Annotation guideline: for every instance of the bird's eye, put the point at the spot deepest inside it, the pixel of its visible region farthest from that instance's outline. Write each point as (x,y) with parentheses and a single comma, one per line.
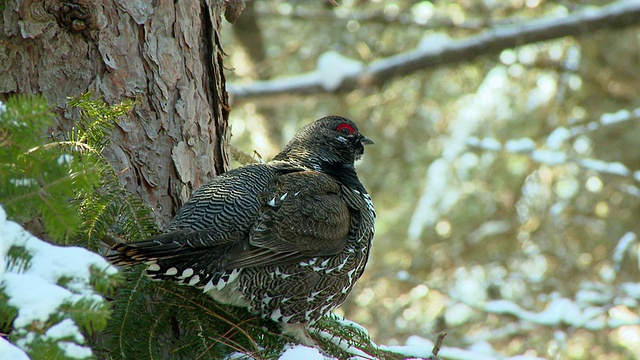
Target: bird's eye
(345,129)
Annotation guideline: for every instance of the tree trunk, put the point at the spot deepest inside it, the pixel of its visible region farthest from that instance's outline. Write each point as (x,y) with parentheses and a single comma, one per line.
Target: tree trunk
(164,54)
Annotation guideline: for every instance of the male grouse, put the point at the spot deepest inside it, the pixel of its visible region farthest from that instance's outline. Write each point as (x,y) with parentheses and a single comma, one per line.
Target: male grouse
(287,239)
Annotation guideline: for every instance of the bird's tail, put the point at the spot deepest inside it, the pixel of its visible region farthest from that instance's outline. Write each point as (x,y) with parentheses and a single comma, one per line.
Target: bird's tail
(164,246)
(179,256)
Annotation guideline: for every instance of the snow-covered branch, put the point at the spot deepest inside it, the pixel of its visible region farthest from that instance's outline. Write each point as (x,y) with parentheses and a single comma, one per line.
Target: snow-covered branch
(336,73)
(54,296)
(552,155)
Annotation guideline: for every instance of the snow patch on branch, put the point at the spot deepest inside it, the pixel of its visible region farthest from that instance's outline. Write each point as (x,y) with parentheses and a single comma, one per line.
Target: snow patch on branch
(558,137)
(620,116)
(10,351)
(297,352)
(549,157)
(520,146)
(333,68)
(623,245)
(614,168)
(552,153)
(31,268)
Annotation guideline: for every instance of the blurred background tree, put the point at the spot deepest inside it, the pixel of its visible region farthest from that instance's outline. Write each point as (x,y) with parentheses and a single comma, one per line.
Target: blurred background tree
(506,175)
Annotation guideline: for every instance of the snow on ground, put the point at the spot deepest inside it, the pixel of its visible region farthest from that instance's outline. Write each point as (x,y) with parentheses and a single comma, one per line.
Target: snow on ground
(62,273)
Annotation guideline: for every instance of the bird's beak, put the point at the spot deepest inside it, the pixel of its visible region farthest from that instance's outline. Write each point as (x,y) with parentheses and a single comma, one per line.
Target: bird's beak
(365,140)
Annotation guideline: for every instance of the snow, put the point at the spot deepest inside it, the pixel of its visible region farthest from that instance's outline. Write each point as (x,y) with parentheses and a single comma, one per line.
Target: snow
(416,346)
(331,72)
(403,275)
(608,119)
(502,307)
(25,294)
(549,157)
(64,329)
(25,282)
(74,350)
(623,245)
(462,354)
(434,42)
(543,92)
(560,311)
(558,137)
(615,168)
(333,68)
(631,289)
(348,323)
(422,12)
(64,159)
(10,351)
(485,143)
(23,182)
(299,352)
(524,145)
(426,212)
(593,297)
(458,314)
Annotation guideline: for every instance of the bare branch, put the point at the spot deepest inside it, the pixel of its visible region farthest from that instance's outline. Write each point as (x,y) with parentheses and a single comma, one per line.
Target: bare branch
(438,345)
(443,50)
(437,22)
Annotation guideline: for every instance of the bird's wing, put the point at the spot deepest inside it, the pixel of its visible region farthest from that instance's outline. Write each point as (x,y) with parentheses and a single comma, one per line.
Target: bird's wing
(225,205)
(302,215)
(233,223)
(218,215)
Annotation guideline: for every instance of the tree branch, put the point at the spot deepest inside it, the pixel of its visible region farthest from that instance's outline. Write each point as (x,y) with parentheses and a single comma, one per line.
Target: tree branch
(331,77)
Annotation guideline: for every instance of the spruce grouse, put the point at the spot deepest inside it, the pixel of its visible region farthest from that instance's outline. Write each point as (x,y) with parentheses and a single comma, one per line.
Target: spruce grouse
(287,239)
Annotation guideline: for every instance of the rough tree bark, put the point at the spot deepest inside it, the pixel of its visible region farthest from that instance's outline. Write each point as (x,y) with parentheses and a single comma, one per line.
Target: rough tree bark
(164,54)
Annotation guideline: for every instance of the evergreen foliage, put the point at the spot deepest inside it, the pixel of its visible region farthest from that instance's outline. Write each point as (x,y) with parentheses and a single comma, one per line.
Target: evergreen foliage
(37,179)
(55,180)
(110,211)
(180,322)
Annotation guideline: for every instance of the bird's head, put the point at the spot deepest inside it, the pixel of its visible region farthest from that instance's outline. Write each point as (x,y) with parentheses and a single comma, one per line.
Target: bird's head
(331,139)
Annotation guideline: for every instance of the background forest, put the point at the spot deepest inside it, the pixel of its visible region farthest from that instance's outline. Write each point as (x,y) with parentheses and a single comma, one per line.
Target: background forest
(498,180)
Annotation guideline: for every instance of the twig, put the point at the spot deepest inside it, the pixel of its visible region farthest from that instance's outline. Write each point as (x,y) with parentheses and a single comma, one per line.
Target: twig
(438,345)
(241,156)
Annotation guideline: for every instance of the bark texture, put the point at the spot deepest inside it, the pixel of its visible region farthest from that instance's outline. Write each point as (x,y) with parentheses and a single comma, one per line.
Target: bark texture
(164,54)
